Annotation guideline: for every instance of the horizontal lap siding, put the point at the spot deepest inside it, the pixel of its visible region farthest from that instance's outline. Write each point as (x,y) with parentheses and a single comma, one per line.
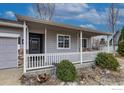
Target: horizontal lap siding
(52,42)
(12,31)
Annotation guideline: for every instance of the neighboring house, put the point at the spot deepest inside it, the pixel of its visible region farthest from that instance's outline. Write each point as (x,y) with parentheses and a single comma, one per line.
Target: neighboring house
(116,38)
(44,43)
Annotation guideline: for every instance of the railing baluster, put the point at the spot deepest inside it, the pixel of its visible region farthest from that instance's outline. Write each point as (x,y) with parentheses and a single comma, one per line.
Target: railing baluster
(35,61)
(29,61)
(48,60)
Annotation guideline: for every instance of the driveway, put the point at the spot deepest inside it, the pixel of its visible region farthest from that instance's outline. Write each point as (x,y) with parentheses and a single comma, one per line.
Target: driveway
(10,76)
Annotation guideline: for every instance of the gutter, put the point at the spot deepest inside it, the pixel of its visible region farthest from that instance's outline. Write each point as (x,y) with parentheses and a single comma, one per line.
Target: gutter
(11,24)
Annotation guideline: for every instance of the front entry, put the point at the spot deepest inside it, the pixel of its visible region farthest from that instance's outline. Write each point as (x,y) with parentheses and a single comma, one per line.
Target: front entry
(35,43)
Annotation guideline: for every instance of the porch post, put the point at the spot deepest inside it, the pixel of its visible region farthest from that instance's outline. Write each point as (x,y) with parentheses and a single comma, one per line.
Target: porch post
(24,46)
(81,60)
(108,44)
(27,39)
(45,40)
(45,44)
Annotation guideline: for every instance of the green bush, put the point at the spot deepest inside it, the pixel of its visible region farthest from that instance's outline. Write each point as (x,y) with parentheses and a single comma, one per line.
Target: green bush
(106,60)
(66,71)
(121,48)
(121,37)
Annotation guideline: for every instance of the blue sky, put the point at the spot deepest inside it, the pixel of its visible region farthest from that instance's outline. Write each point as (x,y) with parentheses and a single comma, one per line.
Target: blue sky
(85,15)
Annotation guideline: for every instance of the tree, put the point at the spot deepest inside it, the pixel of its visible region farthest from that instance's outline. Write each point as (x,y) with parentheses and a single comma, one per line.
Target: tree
(121,38)
(121,48)
(113,16)
(121,43)
(44,11)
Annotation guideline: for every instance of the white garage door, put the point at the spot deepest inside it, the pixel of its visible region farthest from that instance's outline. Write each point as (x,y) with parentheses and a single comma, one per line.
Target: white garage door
(8,52)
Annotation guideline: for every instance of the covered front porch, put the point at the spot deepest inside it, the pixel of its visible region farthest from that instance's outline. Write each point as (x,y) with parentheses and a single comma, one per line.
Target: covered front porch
(49,55)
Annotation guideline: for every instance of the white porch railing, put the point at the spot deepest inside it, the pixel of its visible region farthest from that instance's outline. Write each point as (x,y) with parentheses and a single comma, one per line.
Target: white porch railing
(36,61)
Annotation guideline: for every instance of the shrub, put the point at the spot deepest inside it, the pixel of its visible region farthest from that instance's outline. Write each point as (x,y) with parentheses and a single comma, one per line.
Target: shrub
(66,71)
(121,48)
(106,60)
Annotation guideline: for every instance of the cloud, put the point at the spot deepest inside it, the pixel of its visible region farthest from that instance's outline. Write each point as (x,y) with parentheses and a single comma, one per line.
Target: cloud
(69,11)
(93,16)
(71,8)
(80,12)
(64,11)
(9,14)
(88,26)
(121,12)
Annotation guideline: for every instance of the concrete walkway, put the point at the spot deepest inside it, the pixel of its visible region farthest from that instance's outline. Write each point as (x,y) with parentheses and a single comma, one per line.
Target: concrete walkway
(10,76)
(121,62)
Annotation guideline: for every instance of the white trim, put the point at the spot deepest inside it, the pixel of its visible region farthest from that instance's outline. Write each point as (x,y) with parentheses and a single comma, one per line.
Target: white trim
(45,40)
(108,44)
(69,41)
(77,42)
(81,59)
(27,32)
(24,48)
(17,54)
(9,35)
(11,24)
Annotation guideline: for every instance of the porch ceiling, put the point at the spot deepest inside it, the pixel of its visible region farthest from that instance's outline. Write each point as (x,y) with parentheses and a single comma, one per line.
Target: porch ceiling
(33,22)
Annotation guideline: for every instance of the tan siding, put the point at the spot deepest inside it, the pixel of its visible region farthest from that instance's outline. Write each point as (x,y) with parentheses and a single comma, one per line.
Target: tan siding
(52,42)
(35,30)
(12,31)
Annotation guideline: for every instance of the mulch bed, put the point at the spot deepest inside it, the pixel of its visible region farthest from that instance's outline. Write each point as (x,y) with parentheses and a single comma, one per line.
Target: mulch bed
(86,76)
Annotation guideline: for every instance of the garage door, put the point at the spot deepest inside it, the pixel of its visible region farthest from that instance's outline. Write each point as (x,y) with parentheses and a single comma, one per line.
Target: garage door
(8,52)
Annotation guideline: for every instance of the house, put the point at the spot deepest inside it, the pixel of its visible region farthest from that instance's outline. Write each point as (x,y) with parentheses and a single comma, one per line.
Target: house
(116,38)
(44,43)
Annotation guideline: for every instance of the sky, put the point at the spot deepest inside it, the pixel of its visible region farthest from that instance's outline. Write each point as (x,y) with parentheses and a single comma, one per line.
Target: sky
(89,15)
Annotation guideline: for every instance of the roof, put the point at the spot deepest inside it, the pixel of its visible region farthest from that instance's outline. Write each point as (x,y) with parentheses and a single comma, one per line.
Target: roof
(10,23)
(45,22)
(8,20)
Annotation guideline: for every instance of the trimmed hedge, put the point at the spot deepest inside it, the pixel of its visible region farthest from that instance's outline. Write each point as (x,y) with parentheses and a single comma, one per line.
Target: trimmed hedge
(107,60)
(66,71)
(121,48)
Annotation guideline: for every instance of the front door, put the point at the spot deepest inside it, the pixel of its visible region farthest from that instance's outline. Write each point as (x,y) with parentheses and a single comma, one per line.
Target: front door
(35,44)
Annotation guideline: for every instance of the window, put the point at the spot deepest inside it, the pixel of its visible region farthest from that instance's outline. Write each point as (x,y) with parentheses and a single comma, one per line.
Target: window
(63,41)
(84,42)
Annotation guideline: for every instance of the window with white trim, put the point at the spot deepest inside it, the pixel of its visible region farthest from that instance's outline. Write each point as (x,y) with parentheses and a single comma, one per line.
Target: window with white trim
(63,41)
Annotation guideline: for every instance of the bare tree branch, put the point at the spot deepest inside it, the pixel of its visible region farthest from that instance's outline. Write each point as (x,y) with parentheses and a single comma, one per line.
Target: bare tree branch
(44,11)
(113,16)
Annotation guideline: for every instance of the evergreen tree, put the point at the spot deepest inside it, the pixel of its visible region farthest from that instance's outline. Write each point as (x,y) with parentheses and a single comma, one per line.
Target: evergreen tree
(121,43)
(121,38)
